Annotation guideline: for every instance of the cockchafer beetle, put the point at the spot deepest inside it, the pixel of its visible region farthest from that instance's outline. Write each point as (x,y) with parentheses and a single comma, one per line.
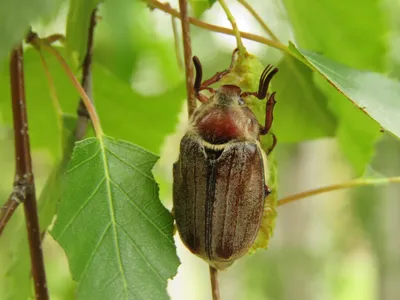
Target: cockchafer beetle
(220,178)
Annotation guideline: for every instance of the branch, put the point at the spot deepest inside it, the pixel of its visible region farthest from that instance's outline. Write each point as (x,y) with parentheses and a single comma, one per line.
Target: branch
(83,115)
(88,103)
(214,283)
(187,51)
(165,7)
(339,186)
(15,199)
(24,180)
(259,19)
(239,43)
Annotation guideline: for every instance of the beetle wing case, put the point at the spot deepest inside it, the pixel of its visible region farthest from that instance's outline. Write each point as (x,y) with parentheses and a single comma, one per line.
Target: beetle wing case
(219,193)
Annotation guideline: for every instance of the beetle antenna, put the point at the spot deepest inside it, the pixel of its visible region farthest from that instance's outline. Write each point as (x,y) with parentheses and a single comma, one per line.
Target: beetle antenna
(199,74)
(265,79)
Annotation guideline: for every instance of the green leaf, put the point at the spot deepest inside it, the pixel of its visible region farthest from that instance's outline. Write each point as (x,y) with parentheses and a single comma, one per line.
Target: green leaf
(377,95)
(370,94)
(111,224)
(301,112)
(78,23)
(330,28)
(200,6)
(123,112)
(17,268)
(16,16)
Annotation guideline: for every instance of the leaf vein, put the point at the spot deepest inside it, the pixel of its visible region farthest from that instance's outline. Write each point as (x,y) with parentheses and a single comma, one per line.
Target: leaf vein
(89,261)
(140,210)
(112,211)
(128,164)
(83,162)
(142,255)
(96,189)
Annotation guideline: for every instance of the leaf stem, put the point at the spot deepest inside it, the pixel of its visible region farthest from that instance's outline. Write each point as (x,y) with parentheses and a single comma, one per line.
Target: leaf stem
(214,284)
(83,115)
(89,105)
(24,180)
(339,186)
(240,46)
(259,19)
(187,51)
(196,22)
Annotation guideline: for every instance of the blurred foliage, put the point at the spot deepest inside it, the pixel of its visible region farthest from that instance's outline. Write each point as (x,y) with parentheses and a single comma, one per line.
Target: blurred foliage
(78,22)
(17,16)
(329,27)
(295,85)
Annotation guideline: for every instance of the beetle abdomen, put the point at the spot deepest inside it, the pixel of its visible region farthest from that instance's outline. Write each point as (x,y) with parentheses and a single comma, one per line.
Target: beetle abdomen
(218,198)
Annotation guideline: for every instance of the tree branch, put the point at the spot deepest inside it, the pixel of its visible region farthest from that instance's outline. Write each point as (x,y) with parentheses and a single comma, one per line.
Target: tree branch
(339,186)
(214,283)
(9,207)
(83,115)
(24,183)
(187,51)
(239,43)
(165,7)
(89,105)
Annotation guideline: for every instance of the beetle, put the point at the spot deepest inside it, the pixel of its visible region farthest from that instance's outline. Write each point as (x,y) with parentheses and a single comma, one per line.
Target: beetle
(220,178)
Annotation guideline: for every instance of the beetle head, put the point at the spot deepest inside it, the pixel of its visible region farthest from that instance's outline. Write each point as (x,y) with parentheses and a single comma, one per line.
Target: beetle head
(229,95)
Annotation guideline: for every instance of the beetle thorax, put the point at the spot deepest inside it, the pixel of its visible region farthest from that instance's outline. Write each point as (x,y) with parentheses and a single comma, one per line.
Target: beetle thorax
(223,119)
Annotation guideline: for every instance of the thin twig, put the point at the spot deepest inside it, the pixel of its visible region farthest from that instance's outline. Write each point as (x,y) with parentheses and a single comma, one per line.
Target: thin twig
(24,179)
(339,186)
(187,52)
(8,209)
(239,43)
(88,103)
(259,19)
(177,43)
(196,22)
(214,283)
(83,115)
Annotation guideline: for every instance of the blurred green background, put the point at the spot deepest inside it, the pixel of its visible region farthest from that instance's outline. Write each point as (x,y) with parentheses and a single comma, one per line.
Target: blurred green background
(342,245)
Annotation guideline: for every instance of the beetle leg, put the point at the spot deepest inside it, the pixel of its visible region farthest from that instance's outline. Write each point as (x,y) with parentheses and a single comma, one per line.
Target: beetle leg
(198,85)
(217,77)
(269,114)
